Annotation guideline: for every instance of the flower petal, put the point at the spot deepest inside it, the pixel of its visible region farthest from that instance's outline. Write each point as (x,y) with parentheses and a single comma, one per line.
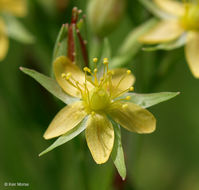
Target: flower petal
(132,117)
(164,31)
(99,137)
(63,65)
(191,50)
(16,7)
(3,40)
(69,117)
(124,80)
(173,7)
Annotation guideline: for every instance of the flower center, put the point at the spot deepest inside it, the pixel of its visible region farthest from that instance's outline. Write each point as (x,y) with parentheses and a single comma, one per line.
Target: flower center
(99,99)
(190,20)
(97,93)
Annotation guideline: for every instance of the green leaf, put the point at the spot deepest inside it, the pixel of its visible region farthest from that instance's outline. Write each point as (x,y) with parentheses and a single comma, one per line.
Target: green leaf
(117,152)
(168,46)
(60,47)
(50,85)
(148,100)
(66,137)
(153,8)
(131,46)
(17,31)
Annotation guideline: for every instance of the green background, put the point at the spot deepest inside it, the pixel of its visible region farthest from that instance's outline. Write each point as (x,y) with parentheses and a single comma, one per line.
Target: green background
(165,159)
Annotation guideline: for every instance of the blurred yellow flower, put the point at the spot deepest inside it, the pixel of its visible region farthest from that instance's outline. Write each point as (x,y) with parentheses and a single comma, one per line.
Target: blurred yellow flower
(16,8)
(184,19)
(99,98)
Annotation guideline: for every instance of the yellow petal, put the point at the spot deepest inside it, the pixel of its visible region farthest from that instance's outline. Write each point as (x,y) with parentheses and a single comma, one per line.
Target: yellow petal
(99,137)
(173,7)
(124,80)
(69,117)
(63,65)
(164,31)
(132,117)
(192,52)
(3,40)
(15,7)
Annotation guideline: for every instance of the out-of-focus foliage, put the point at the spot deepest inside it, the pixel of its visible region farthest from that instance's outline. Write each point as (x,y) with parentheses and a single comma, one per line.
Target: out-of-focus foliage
(166,159)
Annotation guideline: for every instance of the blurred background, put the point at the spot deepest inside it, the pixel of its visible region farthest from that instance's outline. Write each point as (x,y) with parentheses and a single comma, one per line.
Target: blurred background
(167,159)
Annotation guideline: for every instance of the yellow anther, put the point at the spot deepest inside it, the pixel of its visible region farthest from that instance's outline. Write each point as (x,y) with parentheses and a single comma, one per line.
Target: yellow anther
(105,61)
(63,75)
(124,106)
(95,60)
(131,88)
(128,98)
(95,70)
(92,113)
(68,75)
(86,69)
(128,72)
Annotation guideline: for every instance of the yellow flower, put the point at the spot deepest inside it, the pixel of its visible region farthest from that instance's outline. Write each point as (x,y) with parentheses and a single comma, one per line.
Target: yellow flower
(16,8)
(183,20)
(99,99)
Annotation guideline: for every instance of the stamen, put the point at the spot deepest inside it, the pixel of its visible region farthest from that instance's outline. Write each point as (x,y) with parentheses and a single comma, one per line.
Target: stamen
(95,60)
(128,98)
(105,62)
(128,72)
(121,99)
(131,88)
(95,76)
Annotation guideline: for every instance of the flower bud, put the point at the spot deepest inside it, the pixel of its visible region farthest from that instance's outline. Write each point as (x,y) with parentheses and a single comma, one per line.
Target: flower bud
(104,15)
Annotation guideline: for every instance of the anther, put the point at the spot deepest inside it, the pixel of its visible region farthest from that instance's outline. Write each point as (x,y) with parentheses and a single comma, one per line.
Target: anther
(128,98)
(68,75)
(128,72)
(131,88)
(86,69)
(92,113)
(105,61)
(95,70)
(63,75)
(95,60)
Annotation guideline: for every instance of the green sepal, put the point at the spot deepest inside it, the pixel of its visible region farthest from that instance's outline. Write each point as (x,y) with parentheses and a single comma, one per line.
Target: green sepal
(148,100)
(117,154)
(60,48)
(50,85)
(66,137)
(16,30)
(154,9)
(168,46)
(131,46)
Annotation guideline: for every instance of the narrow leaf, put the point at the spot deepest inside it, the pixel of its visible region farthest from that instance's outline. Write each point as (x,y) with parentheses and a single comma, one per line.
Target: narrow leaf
(148,100)
(60,48)
(168,46)
(66,137)
(17,31)
(117,152)
(50,85)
